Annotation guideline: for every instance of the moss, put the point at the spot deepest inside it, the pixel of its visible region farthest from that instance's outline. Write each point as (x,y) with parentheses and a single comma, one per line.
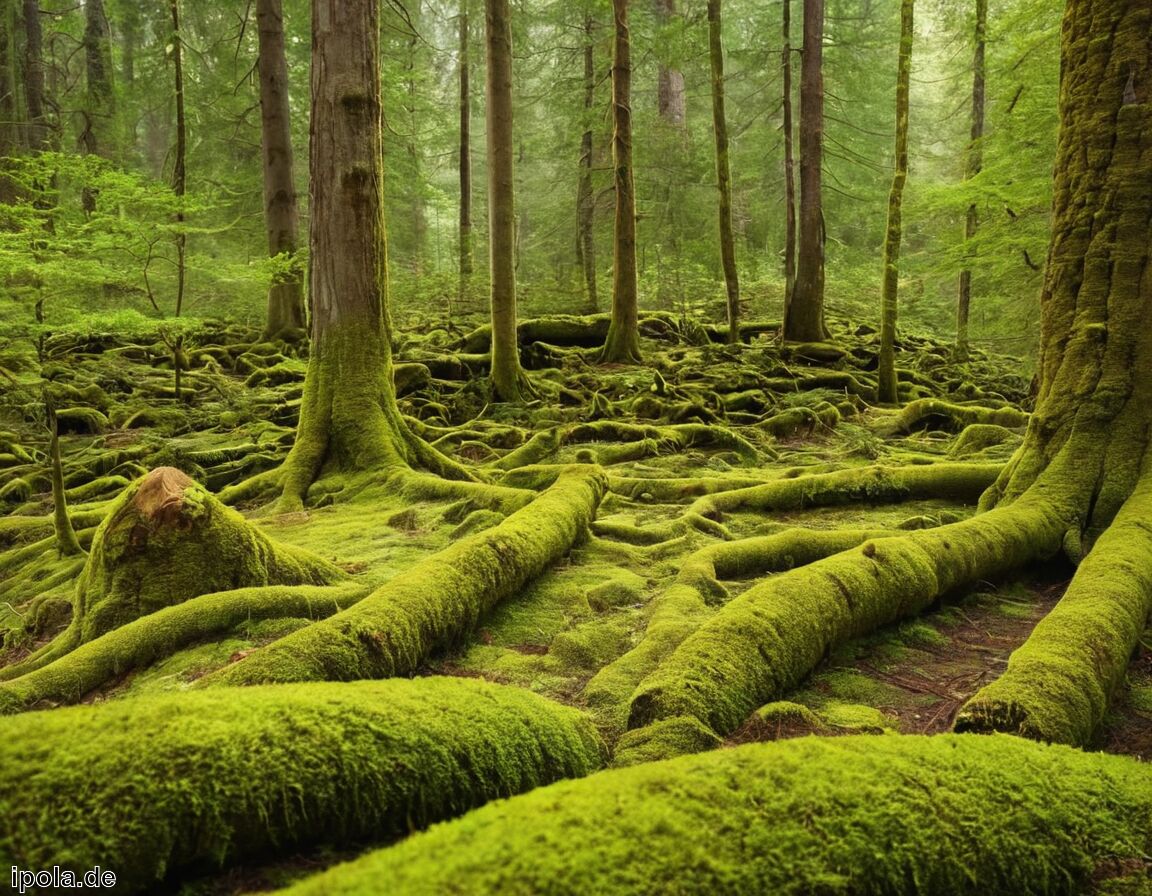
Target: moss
(856,717)
(1058,684)
(786,713)
(664,740)
(166,540)
(591,645)
(895,815)
(436,603)
(200,780)
(477,521)
(766,640)
(978,437)
(931,412)
(612,594)
(152,637)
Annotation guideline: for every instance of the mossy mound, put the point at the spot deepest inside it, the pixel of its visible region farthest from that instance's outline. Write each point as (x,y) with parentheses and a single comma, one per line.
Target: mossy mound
(895,815)
(166,540)
(151,787)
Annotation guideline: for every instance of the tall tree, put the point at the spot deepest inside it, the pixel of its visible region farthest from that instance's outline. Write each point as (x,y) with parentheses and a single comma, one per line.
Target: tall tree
(465,233)
(670,93)
(805,321)
(39,133)
(974,161)
(585,194)
(179,166)
(349,419)
(891,273)
(508,379)
(789,157)
(623,341)
(723,169)
(98,112)
(281,219)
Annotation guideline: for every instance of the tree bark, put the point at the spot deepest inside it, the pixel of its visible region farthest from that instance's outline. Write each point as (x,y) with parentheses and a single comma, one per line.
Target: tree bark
(974,160)
(100,107)
(507,377)
(623,342)
(723,171)
(585,194)
(286,293)
(38,133)
(789,159)
(886,374)
(670,93)
(465,235)
(805,321)
(179,174)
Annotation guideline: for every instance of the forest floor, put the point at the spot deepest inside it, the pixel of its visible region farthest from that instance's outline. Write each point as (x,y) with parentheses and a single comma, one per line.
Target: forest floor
(747,414)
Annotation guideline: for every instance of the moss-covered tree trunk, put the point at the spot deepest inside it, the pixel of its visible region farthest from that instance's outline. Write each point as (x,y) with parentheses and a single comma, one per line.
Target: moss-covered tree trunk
(585,194)
(671,97)
(348,419)
(623,342)
(98,77)
(507,377)
(38,132)
(723,170)
(286,294)
(789,159)
(465,160)
(886,375)
(974,161)
(805,321)
(179,164)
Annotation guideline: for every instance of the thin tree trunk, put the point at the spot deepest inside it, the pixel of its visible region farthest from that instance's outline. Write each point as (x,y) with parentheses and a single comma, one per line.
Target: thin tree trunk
(789,162)
(465,160)
(9,124)
(66,542)
(179,175)
(723,171)
(585,194)
(98,114)
(623,341)
(286,293)
(418,212)
(891,278)
(507,377)
(670,93)
(805,321)
(973,163)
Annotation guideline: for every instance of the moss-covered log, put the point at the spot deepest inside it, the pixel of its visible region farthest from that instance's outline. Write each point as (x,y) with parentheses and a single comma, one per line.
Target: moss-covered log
(160,634)
(166,540)
(435,603)
(895,815)
(152,787)
(766,640)
(1058,685)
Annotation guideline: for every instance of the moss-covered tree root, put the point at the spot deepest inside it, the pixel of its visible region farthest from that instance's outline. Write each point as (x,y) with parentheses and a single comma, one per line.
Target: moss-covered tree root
(165,540)
(943,414)
(766,640)
(1058,685)
(437,602)
(683,607)
(162,633)
(151,787)
(950,815)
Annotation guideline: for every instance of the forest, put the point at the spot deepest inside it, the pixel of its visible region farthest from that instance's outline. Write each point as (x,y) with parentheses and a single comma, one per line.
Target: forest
(603,447)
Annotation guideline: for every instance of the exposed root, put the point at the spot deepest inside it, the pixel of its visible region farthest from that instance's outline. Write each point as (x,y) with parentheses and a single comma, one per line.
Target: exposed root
(160,634)
(195,781)
(946,814)
(766,640)
(946,415)
(1058,685)
(435,603)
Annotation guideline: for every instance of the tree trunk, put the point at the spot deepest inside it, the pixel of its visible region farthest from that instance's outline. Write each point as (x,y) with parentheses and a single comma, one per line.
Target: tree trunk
(417,210)
(789,161)
(348,419)
(286,294)
(805,322)
(507,377)
(179,175)
(66,542)
(10,138)
(973,163)
(38,134)
(465,160)
(670,94)
(585,194)
(623,342)
(98,114)
(891,275)
(723,172)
